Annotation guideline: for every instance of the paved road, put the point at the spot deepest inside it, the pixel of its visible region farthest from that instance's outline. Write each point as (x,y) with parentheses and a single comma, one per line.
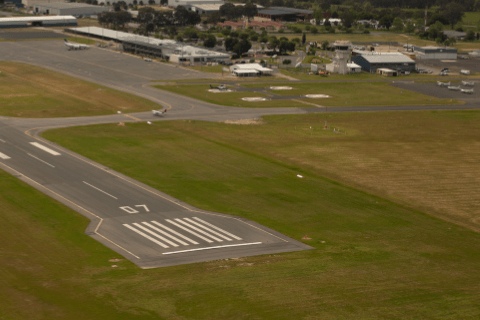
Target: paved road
(145,225)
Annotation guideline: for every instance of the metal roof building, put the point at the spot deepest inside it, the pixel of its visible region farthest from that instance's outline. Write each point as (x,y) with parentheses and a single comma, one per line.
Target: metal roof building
(74,9)
(371,61)
(170,49)
(20,22)
(190,3)
(283,14)
(431,52)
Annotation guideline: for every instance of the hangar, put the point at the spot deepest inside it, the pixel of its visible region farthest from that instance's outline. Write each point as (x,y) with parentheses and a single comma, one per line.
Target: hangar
(283,14)
(21,22)
(74,9)
(192,3)
(431,52)
(371,61)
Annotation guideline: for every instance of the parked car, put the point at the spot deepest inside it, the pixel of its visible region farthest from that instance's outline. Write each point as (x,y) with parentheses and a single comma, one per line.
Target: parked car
(445,70)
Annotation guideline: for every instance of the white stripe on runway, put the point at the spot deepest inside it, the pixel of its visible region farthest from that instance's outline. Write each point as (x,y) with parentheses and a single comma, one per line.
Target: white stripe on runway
(2,140)
(217,247)
(166,234)
(215,227)
(31,155)
(100,190)
(174,232)
(208,229)
(156,235)
(146,236)
(38,145)
(199,230)
(188,230)
(4,156)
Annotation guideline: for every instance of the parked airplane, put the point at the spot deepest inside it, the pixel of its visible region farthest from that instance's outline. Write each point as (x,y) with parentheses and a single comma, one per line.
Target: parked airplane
(220,87)
(454,88)
(75,46)
(468,84)
(443,84)
(159,113)
(469,91)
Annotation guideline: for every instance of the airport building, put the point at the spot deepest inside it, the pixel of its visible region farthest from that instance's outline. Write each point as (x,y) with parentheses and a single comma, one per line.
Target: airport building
(249,70)
(192,3)
(283,14)
(21,22)
(167,49)
(431,52)
(73,9)
(371,61)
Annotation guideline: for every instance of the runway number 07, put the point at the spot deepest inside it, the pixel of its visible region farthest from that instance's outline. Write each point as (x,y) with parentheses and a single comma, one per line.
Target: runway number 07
(132,211)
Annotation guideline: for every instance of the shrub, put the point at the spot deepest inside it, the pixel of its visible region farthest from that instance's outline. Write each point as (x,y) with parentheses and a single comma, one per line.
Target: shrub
(349,30)
(366,31)
(286,61)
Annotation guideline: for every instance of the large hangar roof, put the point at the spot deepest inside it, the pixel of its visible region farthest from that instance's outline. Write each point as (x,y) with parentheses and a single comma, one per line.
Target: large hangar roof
(31,19)
(61,5)
(387,58)
(284,10)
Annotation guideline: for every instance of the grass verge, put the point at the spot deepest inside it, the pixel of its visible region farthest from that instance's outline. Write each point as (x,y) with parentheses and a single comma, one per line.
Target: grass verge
(29,91)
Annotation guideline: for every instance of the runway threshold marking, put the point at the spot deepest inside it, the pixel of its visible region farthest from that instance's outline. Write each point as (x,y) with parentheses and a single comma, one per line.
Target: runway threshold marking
(165,233)
(199,230)
(48,164)
(217,247)
(4,156)
(174,232)
(108,194)
(155,234)
(217,228)
(40,146)
(208,229)
(190,231)
(146,236)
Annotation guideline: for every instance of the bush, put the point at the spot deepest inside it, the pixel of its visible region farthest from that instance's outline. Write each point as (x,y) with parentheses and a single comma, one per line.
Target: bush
(281,31)
(366,31)
(314,30)
(286,62)
(349,30)
(252,60)
(307,27)
(470,36)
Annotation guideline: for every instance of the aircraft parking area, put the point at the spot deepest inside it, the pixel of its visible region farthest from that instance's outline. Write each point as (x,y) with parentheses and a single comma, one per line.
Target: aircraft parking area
(432,89)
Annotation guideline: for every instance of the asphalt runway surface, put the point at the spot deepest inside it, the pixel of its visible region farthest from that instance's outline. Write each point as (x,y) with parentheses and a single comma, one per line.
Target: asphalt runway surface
(30,35)
(144,225)
(434,90)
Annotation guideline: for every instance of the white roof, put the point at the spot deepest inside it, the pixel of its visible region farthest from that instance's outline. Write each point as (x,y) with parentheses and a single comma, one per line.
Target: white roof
(390,57)
(61,5)
(353,65)
(245,71)
(386,70)
(44,18)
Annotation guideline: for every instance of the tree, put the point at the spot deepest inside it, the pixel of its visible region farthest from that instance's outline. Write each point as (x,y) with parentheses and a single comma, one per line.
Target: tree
(254,37)
(409,28)
(181,15)
(397,24)
(193,18)
(286,45)
(244,36)
(226,32)
(210,41)
(314,30)
(250,10)
(214,17)
(145,16)
(286,61)
(226,10)
(273,42)
(454,12)
(230,43)
(335,15)
(277,3)
(241,47)
(150,2)
(470,36)
(386,21)
(324,45)
(304,38)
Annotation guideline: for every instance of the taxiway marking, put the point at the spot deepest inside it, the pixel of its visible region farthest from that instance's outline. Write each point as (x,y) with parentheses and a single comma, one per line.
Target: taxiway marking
(31,155)
(217,247)
(4,156)
(108,194)
(38,145)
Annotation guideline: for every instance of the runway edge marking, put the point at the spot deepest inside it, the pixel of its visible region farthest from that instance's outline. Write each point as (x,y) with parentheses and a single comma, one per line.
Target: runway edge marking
(101,220)
(139,186)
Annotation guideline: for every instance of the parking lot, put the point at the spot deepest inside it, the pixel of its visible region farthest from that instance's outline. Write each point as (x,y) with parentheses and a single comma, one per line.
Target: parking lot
(432,89)
(472,64)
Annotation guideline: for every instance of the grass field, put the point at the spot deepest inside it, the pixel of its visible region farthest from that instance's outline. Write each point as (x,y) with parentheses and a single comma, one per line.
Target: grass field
(29,91)
(232,99)
(378,259)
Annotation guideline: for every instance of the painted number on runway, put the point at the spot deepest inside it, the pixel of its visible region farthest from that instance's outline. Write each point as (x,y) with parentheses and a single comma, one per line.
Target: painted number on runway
(132,210)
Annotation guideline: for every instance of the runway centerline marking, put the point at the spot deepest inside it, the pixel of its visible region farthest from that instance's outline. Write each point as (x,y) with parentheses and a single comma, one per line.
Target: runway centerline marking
(199,230)
(217,247)
(108,194)
(31,155)
(4,156)
(217,228)
(38,145)
(188,230)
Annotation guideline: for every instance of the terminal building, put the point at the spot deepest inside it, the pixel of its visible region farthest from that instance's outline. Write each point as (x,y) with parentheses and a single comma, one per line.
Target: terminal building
(52,21)
(371,61)
(167,49)
(431,52)
(73,9)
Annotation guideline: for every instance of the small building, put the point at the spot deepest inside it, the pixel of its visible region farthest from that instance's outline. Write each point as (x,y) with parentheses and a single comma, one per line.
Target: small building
(249,70)
(354,68)
(371,61)
(387,72)
(22,22)
(432,52)
(74,9)
(458,35)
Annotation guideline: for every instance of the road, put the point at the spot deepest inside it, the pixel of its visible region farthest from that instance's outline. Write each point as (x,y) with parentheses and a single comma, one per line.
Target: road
(144,225)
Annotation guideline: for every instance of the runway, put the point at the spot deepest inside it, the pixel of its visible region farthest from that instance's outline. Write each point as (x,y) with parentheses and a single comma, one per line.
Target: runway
(144,225)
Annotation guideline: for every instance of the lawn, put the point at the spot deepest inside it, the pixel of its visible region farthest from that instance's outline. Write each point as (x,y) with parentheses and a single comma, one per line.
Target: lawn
(344,94)
(231,99)
(316,59)
(374,258)
(29,91)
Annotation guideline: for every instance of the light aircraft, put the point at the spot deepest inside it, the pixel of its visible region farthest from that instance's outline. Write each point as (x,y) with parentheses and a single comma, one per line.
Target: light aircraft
(454,88)
(75,46)
(468,84)
(159,113)
(443,84)
(469,91)
(220,87)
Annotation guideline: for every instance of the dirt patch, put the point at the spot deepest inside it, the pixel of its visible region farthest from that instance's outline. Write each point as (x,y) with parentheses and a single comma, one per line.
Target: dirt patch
(244,121)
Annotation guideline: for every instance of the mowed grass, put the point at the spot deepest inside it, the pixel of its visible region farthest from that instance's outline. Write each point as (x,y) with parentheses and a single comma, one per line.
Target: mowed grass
(231,99)
(29,91)
(358,94)
(378,259)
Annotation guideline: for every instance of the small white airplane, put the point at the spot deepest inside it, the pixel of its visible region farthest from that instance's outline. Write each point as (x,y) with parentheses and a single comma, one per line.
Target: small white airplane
(468,84)
(75,46)
(443,84)
(454,88)
(220,87)
(148,59)
(159,113)
(469,91)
